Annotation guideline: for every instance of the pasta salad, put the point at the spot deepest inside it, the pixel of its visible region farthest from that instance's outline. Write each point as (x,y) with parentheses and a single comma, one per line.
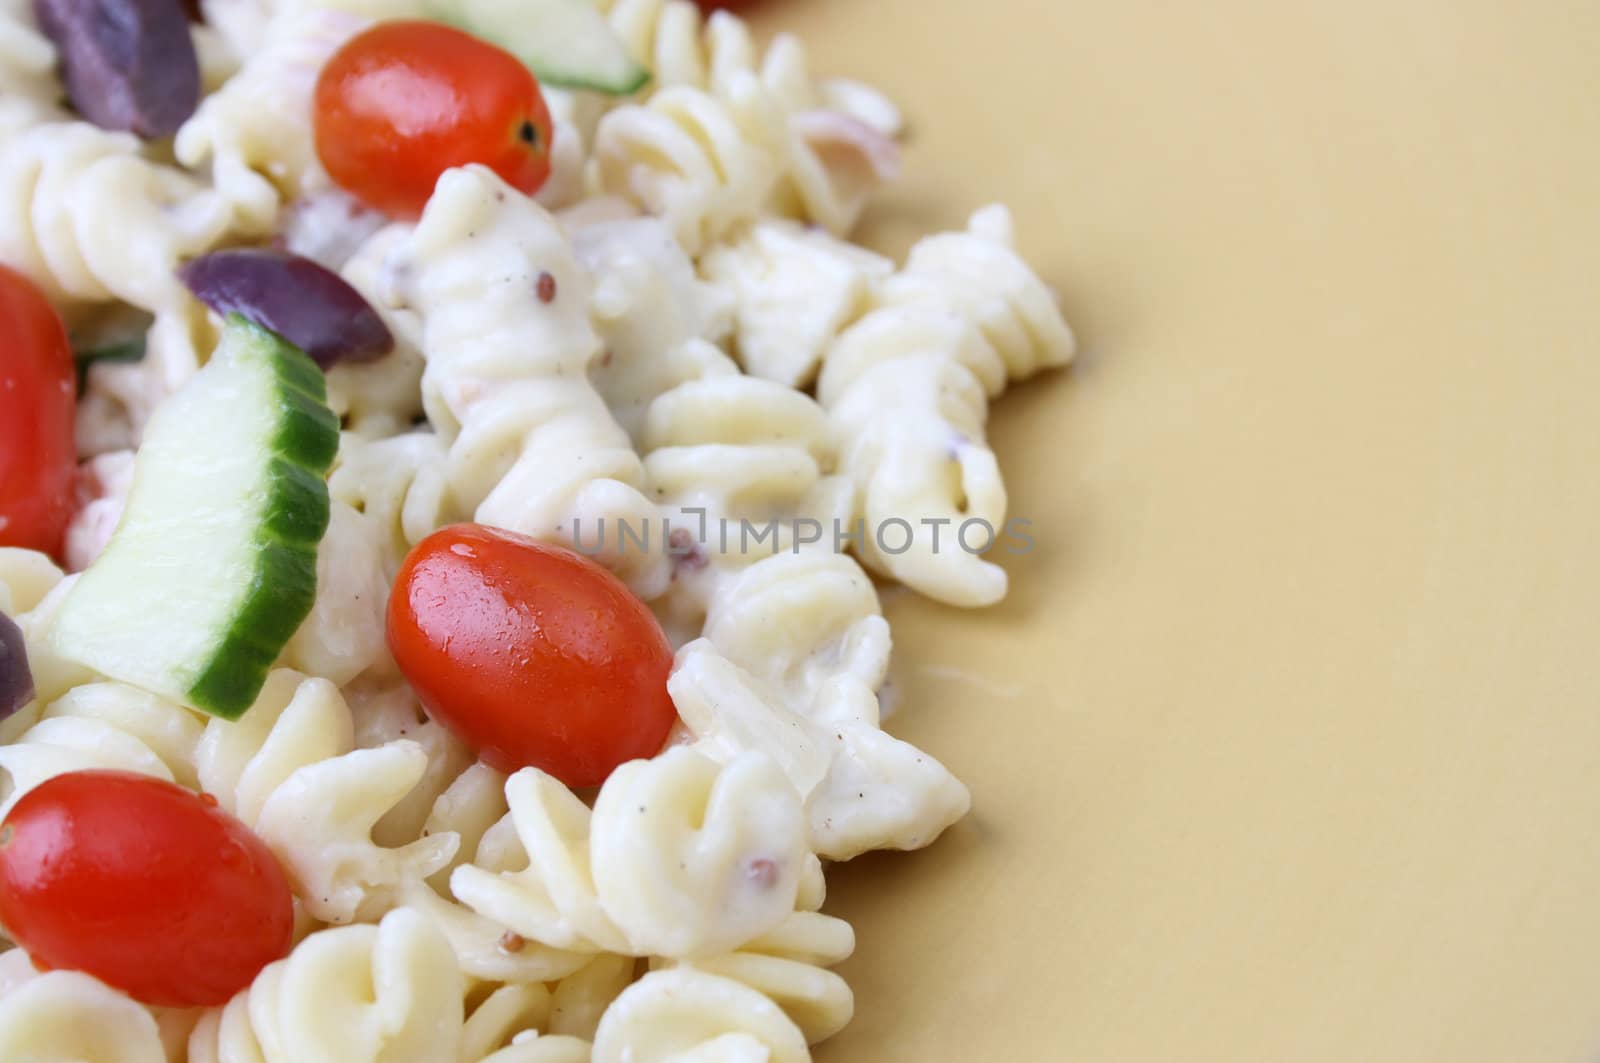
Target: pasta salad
(449,450)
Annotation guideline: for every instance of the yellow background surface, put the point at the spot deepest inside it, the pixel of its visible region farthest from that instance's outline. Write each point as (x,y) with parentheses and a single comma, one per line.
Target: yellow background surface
(1286,745)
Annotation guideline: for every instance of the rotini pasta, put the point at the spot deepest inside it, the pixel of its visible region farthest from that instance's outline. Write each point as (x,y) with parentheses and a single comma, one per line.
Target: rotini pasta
(794,290)
(241,25)
(678,46)
(389,993)
(88,219)
(101,725)
(702,163)
(460,797)
(582,997)
(836,162)
(679,858)
(342,636)
(789,965)
(289,768)
(380,398)
(26,577)
(399,487)
(532,446)
(836,137)
(67,1016)
(569,152)
(687,1014)
(28,89)
(745,468)
(863,788)
(531,1047)
(656,319)
(802,621)
(17,971)
(908,384)
(254,131)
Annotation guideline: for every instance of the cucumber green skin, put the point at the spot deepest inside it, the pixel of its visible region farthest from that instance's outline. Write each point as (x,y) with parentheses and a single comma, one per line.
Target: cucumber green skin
(550,76)
(548,71)
(283,585)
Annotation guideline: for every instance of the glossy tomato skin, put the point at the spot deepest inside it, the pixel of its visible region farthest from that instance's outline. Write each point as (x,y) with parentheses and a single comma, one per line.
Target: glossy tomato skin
(147,886)
(37,398)
(405,101)
(532,654)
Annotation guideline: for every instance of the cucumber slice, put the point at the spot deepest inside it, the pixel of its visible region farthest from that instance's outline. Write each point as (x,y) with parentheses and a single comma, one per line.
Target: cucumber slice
(564,42)
(214,564)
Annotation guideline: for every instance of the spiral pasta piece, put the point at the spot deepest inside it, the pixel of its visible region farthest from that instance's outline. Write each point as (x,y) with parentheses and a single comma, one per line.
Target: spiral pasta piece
(255,132)
(101,725)
(863,788)
(804,618)
(383,397)
(794,289)
(343,634)
(681,47)
(499,1015)
(389,993)
(239,26)
(538,1048)
(680,857)
(29,91)
(505,1027)
(978,274)
(289,768)
(836,162)
(744,468)
(64,1015)
(685,1014)
(702,163)
(533,447)
(800,621)
(456,796)
(678,45)
(654,316)
(835,137)
(88,219)
(26,577)
(909,384)
(582,997)
(398,485)
(17,971)
(789,967)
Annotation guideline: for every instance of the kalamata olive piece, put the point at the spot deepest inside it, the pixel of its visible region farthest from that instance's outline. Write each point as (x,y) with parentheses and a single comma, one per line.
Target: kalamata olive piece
(127,64)
(16,681)
(308,305)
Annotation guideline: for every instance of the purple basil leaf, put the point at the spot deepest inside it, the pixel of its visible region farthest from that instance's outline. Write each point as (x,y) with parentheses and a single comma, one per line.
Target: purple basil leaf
(308,305)
(127,64)
(16,681)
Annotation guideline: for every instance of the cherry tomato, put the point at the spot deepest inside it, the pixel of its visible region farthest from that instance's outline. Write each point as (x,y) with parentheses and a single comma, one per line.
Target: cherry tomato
(147,886)
(405,101)
(531,653)
(37,453)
